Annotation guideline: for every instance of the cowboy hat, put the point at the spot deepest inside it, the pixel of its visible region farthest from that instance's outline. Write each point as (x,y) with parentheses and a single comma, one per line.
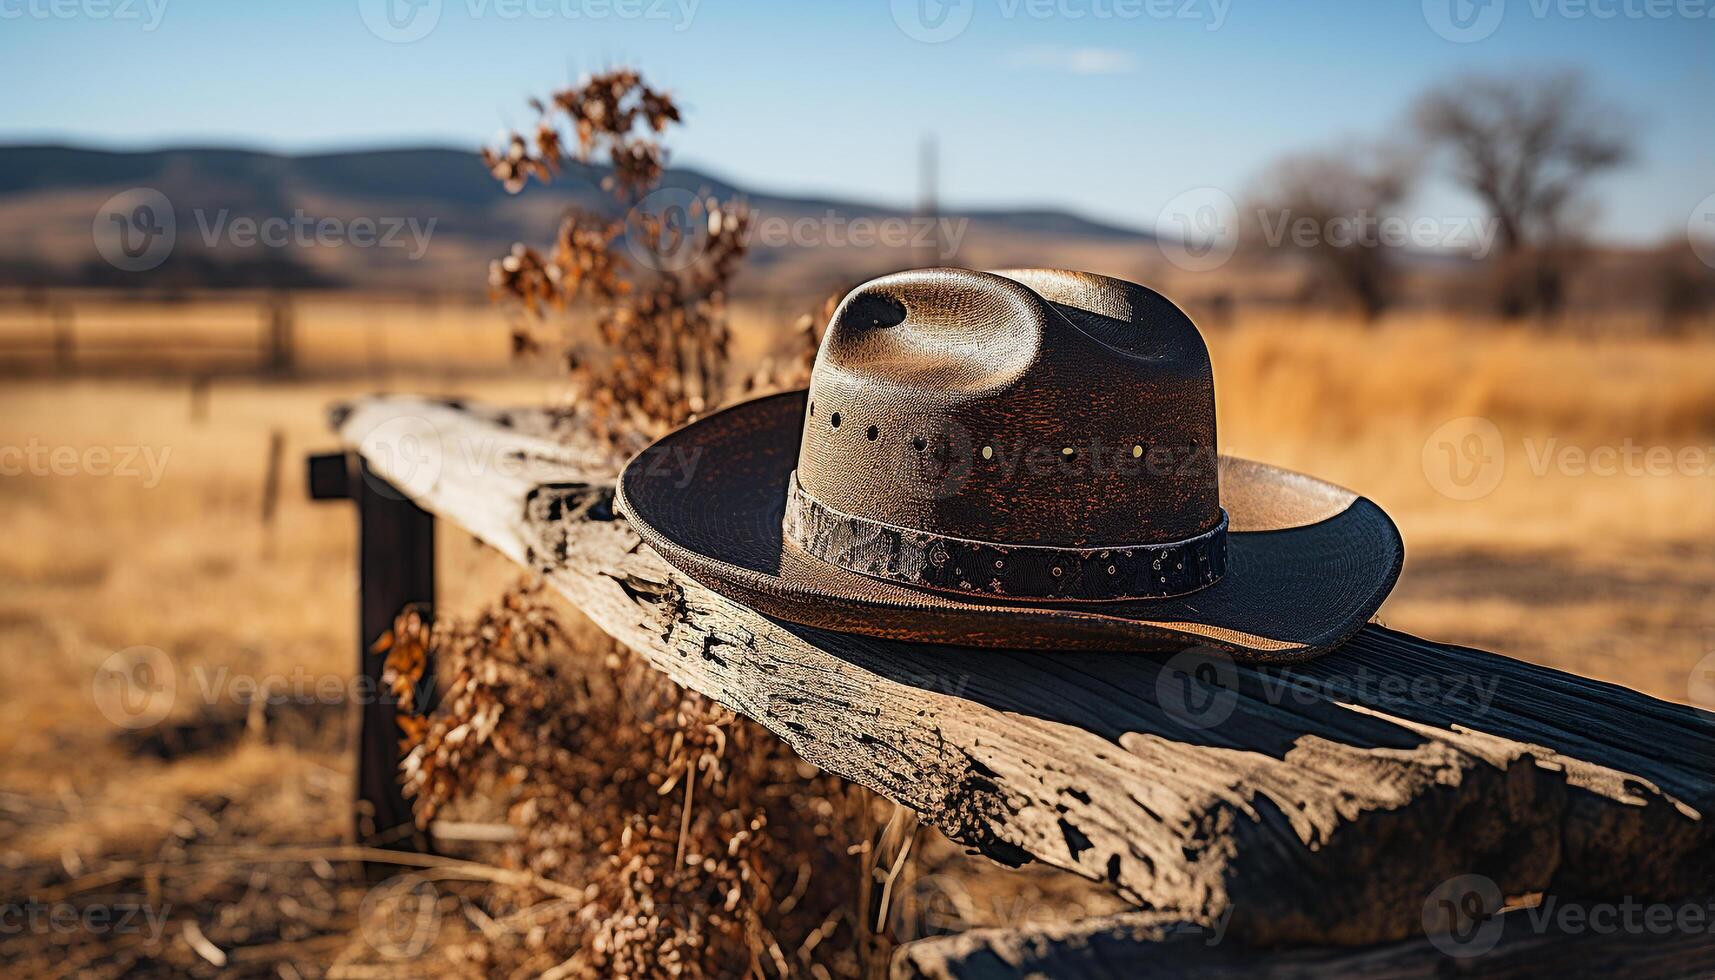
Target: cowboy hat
(1014,459)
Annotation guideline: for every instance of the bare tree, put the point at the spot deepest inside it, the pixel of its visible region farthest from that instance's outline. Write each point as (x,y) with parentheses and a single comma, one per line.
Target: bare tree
(1526,145)
(1337,209)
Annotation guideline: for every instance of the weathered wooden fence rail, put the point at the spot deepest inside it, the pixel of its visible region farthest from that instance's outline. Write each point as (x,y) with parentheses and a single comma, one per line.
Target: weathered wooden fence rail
(1323,807)
(265,345)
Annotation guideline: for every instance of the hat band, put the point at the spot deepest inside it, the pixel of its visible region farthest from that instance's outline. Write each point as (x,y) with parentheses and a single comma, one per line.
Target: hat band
(985,568)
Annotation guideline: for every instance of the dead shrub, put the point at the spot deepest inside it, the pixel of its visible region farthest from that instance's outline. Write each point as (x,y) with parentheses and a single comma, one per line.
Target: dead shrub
(703,846)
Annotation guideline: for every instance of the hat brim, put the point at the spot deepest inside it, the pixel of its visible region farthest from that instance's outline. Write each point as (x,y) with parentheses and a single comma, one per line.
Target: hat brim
(1308,562)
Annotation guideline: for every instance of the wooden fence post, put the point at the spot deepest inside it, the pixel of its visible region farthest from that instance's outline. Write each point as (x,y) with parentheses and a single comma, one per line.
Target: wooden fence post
(281,355)
(396,569)
(65,355)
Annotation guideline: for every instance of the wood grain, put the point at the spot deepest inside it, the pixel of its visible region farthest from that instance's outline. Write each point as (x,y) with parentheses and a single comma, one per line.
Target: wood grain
(1316,804)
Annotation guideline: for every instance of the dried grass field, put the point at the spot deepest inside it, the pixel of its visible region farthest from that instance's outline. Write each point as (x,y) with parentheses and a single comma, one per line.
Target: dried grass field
(1587,554)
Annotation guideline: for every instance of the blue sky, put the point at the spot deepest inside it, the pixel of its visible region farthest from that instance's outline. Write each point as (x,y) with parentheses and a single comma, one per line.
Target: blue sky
(1107,107)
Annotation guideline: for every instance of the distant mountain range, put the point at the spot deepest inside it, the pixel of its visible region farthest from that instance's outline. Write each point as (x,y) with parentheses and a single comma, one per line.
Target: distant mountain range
(244,218)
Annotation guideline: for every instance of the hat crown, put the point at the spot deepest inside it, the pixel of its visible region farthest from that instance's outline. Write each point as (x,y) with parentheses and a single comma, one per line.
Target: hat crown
(1022,407)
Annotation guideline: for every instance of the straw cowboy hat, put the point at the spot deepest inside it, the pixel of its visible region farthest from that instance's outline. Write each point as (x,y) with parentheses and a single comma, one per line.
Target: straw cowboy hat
(1014,459)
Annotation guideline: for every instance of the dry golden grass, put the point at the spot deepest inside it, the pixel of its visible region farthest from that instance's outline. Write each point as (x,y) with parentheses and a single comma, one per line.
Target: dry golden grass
(1607,576)
(336,333)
